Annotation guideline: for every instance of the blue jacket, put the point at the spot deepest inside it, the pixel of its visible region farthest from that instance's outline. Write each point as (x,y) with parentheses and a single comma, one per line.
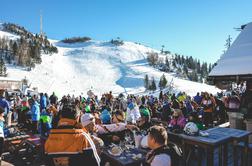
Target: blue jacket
(1,129)
(35,111)
(43,103)
(197,99)
(45,123)
(105,116)
(5,105)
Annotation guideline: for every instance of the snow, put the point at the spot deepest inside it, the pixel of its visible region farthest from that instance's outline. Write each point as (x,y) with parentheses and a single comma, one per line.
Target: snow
(7,34)
(8,79)
(101,67)
(238,58)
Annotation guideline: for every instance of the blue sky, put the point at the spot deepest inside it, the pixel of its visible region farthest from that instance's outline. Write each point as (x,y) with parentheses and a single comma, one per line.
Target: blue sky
(195,28)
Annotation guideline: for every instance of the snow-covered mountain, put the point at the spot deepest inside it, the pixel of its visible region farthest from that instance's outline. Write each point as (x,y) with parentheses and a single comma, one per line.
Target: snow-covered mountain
(100,66)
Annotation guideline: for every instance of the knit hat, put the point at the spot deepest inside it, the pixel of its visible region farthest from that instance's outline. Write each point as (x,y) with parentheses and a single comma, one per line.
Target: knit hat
(86,119)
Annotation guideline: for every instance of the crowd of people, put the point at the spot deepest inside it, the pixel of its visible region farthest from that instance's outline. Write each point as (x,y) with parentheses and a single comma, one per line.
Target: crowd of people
(83,125)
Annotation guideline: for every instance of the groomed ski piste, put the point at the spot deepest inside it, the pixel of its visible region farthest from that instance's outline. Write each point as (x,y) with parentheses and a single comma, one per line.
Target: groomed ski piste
(101,67)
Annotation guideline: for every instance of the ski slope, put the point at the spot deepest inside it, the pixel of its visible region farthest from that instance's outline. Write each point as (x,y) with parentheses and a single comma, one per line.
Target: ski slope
(99,66)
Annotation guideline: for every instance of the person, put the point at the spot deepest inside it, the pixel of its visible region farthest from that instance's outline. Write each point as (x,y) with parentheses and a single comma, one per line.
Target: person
(133,113)
(161,95)
(144,121)
(43,103)
(47,99)
(70,138)
(105,116)
(4,104)
(118,125)
(45,122)
(194,117)
(55,115)
(233,102)
(53,98)
(208,105)
(118,116)
(1,132)
(197,98)
(24,109)
(178,121)
(246,101)
(35,115)
(88,124)
(157,141)
(220,111)
(17,107)
(110,97)
(166,111)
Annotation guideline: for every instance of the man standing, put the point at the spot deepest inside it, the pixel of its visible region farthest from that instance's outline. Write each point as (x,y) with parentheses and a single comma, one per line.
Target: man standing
(53,99)
(5,105)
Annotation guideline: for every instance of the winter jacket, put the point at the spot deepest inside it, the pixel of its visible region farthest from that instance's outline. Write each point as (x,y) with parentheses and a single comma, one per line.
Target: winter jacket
(53,99)
(197,99)
(233,103)
(133,114)
(180,122)
(43,102)
(160,157)
(1,128)
(5,105)
(207,104)
(67,140)
(35,111)
(45,123)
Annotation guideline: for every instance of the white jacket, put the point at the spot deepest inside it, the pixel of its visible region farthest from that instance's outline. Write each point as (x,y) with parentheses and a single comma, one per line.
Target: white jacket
(133,115)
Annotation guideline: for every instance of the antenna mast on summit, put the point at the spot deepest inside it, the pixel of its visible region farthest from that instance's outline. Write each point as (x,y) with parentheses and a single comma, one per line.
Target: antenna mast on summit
(41,24)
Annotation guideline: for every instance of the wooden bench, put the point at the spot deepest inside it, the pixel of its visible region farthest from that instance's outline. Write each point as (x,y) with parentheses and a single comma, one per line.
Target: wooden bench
(34,152)
(14,144)
(35,144)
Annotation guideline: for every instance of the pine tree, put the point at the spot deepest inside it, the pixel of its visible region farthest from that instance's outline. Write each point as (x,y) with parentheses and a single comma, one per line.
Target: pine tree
(146,82)
(163,82)
(2,68)
(6,49)
(198,67)
(185,69)
(152,58)
(174,63)
(167,64)
(160,84)
(182,59)
(153,86)
(162,50)
(15,48)
(4,71)
(194,76)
